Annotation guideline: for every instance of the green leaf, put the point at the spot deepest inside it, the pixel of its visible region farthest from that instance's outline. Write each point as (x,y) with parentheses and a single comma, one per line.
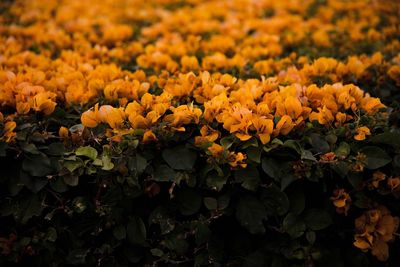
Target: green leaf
(343,150)
(341,168)
(250,213)
(180,158)
(249,177)
(271,167)
(293,225)
(210,203)
(136,231)
(317,219)
(388,138)
(189,201)
(79,204)
(227,142)
(306,154)
(77,256)
(87,151)
(293,144)
(163,173)
(107,163)
(27,208)
(72,165)
(275,201)
(287,180)
(202,233)
(3,149)
(311,237)
(254,153)
(56,149)
(71,180)
(51,234)
(319,144)
(161,216)
(356,180)
(157,252)
(215,181)
(58,185)
(119,232)
(223,201)
(177,244)
(35,184)
(137,163)
(376,157)
(297,200)
(37,165)
(30,148)
(252,142)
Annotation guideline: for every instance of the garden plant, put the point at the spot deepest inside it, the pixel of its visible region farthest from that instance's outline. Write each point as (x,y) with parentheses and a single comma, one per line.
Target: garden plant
(200,133)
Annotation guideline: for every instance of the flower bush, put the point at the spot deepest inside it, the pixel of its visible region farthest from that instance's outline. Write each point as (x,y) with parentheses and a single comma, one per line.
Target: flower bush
(196,133)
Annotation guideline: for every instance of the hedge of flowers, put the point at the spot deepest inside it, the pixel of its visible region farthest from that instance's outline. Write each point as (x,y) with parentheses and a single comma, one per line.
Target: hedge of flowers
(197,133)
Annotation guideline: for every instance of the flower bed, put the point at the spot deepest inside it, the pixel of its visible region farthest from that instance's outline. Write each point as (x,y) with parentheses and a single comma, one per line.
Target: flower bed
(181,133)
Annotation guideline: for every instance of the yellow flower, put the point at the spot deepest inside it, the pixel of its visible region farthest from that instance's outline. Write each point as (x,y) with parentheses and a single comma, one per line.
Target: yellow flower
(237,160)
(264,128)
(90,118)
(394,183)
(42,102)
(63,132)
(361,132)
(23,107)
(341,200)
(216,150)
(291,107)
(237,120)
(113,116)
(374,229)
(394,74)
(189,63)
(284,126)
(149,136)
(183,115)
(208,135)
(323,116)
(377,177)
(371,104)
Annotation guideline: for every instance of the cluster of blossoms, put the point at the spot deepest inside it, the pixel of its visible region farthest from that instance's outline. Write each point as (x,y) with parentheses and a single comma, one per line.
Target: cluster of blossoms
(375,228)
(250,70)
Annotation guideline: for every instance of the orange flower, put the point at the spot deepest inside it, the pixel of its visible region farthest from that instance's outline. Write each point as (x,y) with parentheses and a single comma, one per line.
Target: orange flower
(291,107)
(361,132)
(216,150)
(323,116)
(264,128)
(341,200)
(377,177)
(237,160)
(284,126)
(149,136)
(91,118)
(189,63)
(63,132)
(113,116)
(374,229)
(183,115)
(371,104)
(43,103)
(208,135)
(237,120)
(23,107)
(328,157)
(394,183)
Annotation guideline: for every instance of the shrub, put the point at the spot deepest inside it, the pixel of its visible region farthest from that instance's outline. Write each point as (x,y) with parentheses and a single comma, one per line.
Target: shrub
(181,133)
